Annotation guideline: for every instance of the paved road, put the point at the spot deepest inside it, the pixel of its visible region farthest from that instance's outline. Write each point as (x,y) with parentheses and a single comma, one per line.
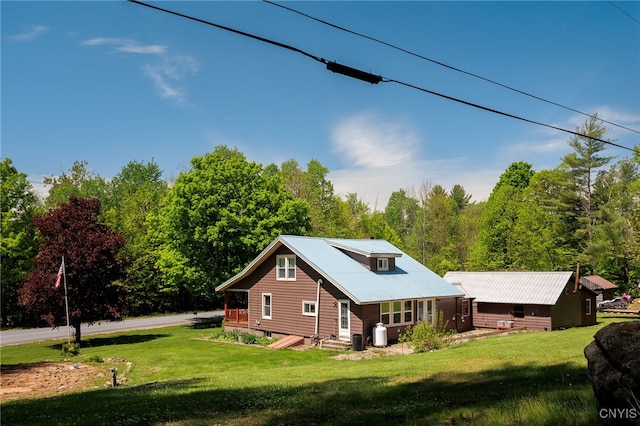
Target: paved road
(14,337)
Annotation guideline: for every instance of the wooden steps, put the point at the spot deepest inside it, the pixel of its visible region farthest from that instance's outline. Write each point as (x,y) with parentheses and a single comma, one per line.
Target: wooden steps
(335,345)
(287,342)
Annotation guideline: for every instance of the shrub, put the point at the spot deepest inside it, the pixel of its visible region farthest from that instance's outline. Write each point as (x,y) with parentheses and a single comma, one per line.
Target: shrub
(250,339)
(425,337)
(238,336)
(70,349)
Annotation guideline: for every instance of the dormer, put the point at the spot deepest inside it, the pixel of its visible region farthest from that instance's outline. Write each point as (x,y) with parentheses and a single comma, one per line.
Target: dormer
(375,255)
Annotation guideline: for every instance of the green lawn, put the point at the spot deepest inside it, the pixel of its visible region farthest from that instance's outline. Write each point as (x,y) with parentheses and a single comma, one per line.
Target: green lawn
(180,377)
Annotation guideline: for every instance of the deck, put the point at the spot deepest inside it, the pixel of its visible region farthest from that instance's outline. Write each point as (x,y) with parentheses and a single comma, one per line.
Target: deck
(239,317)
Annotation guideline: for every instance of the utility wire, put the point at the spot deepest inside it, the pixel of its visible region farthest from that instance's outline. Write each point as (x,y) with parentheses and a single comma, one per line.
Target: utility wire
(623,11)
(506,114)
(222,27)
(372,78)
(393,46)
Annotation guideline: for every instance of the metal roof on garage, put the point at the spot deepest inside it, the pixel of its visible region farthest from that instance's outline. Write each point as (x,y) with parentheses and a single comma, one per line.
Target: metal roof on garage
(536,288)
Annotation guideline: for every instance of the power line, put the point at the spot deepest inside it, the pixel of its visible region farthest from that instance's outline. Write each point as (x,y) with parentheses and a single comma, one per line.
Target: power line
(233,30)
(623,11)
(372,78)
(393,46)
(506,114)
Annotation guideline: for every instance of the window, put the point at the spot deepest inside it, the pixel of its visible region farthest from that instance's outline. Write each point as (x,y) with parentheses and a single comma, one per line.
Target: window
(309,309)
(588,301)
(518,311)
(383,264)
(286,267)
(396,312)
(384,313)
(408,311)
(465,308)
(266,305)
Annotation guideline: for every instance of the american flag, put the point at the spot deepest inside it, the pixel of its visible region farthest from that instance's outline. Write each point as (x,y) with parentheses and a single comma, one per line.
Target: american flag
(60,272)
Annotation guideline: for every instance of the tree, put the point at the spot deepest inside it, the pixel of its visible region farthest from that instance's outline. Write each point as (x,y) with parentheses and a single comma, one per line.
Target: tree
(614,248)
(543,234)
(583,164)
(493,249)
(132,196)
(460,196)
(90,251)
(18,242)
(400,213)
(79,182)
(217,218)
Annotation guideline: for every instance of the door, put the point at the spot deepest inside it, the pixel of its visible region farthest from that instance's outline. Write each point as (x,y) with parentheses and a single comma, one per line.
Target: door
(425,311)
(344,329)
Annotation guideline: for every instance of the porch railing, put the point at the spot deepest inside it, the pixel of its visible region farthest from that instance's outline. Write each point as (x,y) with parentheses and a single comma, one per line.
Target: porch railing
(236,315)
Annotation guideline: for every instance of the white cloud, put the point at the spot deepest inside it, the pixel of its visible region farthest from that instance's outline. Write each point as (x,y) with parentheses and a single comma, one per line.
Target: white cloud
(383,158)
(542,146)
(38,185)
(163,74)
(374,185)
(127,45)
(620,117)
(160,81)
(32,34)
(166,73)
(367,141)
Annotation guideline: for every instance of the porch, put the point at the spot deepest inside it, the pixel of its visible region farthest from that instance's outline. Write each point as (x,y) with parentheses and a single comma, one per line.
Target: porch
(236,317)
(236,309)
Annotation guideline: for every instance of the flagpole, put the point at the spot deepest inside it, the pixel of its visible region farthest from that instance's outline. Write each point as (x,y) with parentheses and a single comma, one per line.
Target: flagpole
(66,299)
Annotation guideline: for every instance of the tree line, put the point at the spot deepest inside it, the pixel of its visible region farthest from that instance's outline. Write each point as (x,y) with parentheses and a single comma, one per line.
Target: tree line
(137,244)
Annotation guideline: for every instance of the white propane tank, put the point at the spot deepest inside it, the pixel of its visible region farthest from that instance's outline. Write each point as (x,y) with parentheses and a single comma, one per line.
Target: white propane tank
(379,335)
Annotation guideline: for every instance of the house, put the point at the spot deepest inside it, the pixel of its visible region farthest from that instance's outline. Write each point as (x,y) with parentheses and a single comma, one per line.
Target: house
(604,288)
(329,288)
(535,300)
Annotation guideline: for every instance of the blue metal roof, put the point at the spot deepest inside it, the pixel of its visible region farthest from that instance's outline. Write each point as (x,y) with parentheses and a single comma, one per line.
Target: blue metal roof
(410,280)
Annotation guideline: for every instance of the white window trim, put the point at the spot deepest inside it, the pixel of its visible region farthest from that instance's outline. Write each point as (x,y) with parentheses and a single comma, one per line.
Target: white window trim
(309,304)
(402,312)
(286,258)
(270,306)
(588,306)
(385,267)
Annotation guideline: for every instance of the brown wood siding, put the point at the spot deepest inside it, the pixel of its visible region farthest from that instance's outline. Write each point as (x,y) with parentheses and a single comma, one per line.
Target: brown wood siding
(287,298)
(329,312)
(370,317)
(567,312)
(588,319)
(487,315)
(452,314)
(361,259)
(371,263)
(570,309)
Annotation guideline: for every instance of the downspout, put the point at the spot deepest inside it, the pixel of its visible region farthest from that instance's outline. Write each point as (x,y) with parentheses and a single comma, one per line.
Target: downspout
(458,315)
(318,306)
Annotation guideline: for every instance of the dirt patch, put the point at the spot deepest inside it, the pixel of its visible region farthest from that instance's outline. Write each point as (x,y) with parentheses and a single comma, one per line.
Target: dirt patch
(405,349)
(374,352)
(51,378)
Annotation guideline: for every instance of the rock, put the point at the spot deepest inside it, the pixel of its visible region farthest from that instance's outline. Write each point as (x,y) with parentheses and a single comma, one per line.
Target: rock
(614,371)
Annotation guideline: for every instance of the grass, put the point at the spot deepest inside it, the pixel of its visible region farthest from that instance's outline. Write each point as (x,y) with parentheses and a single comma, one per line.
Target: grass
(181,377)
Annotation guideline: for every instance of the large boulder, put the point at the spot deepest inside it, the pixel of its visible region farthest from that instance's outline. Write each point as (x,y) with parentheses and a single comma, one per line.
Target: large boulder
(614,370)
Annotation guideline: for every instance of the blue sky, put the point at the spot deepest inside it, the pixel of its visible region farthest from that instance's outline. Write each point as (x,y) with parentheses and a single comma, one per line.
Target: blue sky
(110,82)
